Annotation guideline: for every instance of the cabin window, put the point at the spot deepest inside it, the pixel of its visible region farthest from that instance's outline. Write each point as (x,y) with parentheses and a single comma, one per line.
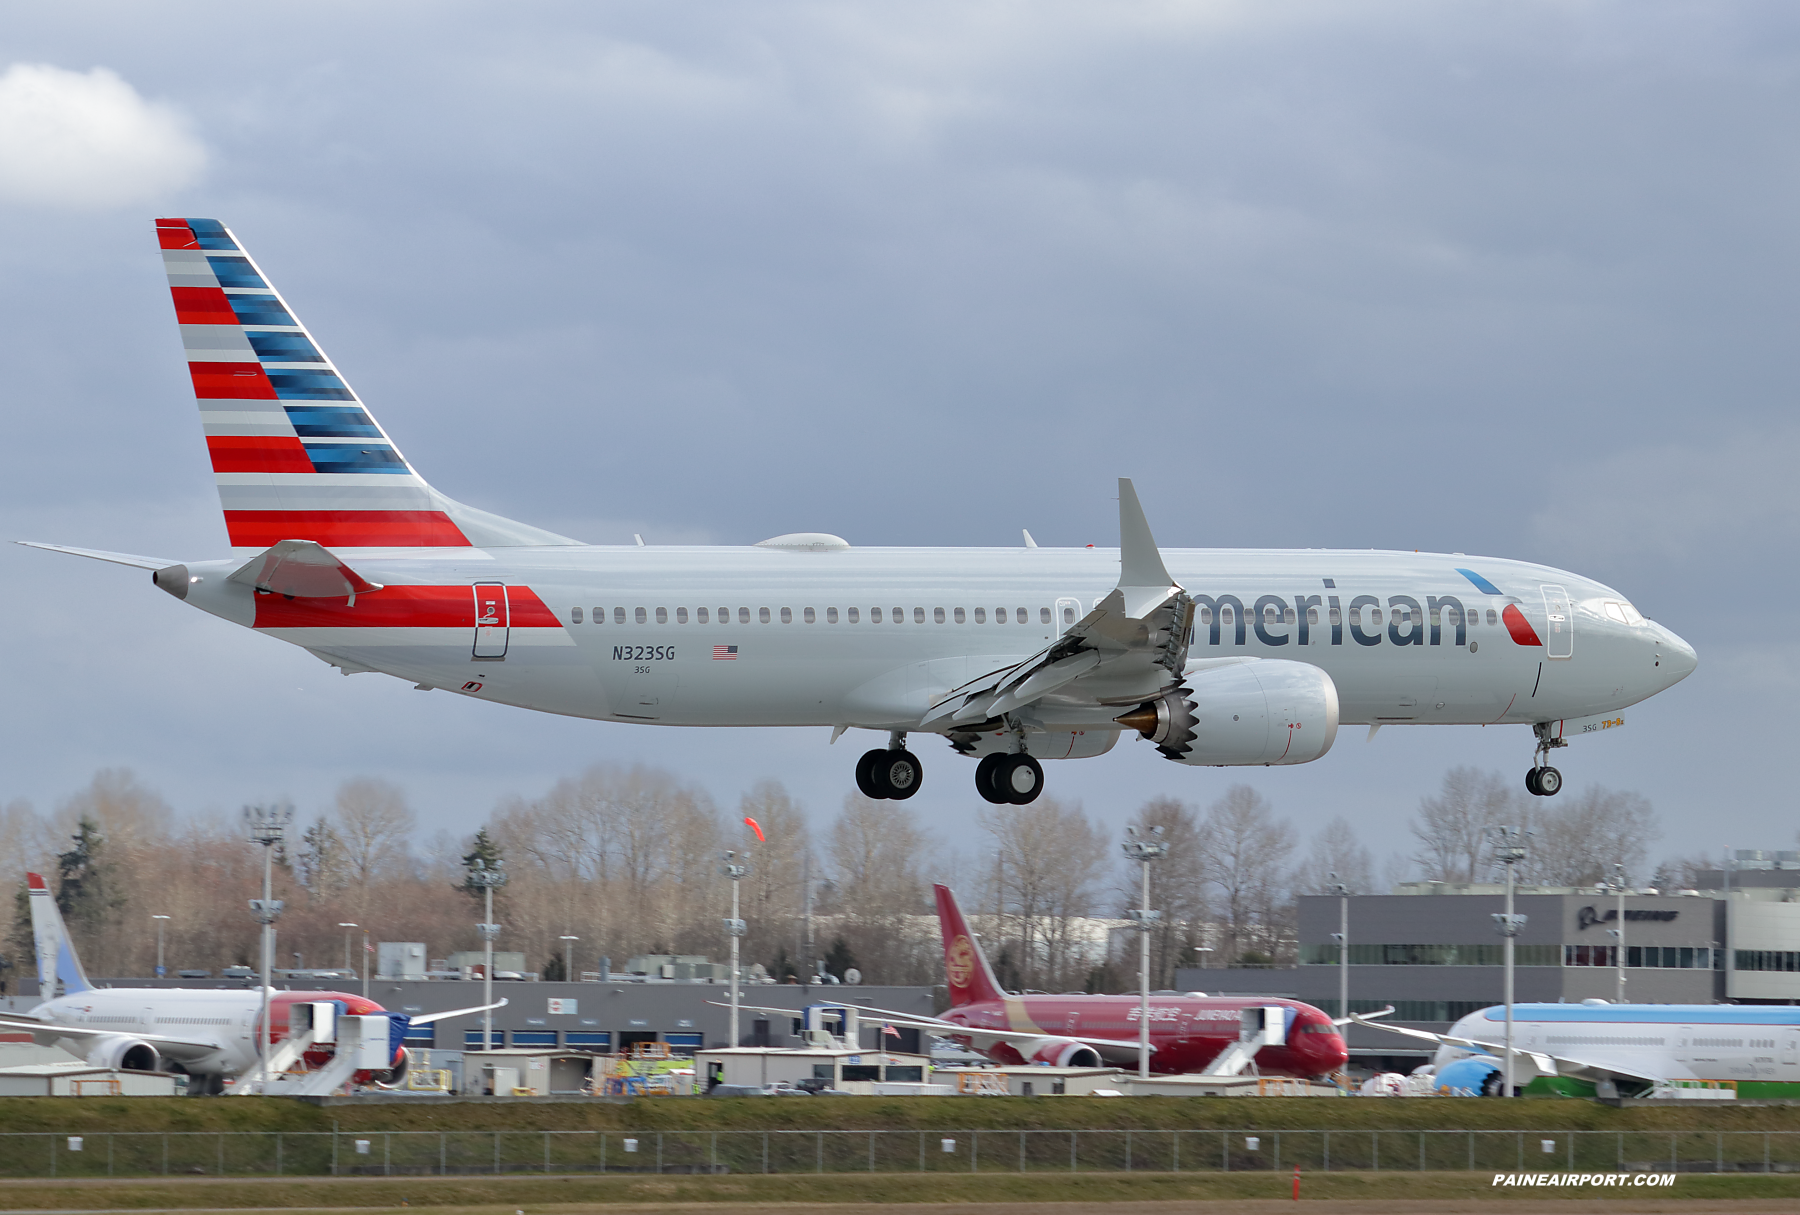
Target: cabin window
(1312,615)
(618,615)
(874,615)
(599,615)
(574,615)
(787,616)
(1205,614)
(918,615)
(999,615)
(830,615)
(900,616)
(937,615)
(1335,616)
(640,616)
(808,616)
(680,615)
(1269,616)
(851,615)
(743,615)
(1022,616)
(1043,615)
(1291,617)
(700,615)
(1493,616)
(662,615)
(762,614)
(980,615)
(959,615)
(1068,615)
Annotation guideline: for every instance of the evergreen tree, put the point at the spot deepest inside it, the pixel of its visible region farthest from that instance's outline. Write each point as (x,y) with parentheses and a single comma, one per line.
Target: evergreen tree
(84,891)
(838,959)
(485,850)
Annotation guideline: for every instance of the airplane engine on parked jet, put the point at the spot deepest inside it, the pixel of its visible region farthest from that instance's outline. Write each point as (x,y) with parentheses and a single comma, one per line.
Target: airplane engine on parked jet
(127,1053)
(1261,711)
(1059,1052)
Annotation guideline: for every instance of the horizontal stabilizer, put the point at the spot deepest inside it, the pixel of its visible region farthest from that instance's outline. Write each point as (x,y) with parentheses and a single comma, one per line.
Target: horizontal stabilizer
(302,569)
(143,563)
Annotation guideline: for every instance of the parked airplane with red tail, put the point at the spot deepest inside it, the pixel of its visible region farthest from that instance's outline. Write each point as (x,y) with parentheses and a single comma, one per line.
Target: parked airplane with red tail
(1188,1033)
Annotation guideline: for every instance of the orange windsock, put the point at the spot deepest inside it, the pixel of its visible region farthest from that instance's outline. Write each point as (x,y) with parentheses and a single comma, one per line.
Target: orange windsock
(751,823)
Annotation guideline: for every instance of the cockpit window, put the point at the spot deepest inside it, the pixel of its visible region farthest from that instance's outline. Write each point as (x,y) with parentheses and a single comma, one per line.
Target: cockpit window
(1616,611)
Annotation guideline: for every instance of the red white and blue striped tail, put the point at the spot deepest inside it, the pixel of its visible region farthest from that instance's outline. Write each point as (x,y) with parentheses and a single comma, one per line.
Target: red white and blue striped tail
(295,453)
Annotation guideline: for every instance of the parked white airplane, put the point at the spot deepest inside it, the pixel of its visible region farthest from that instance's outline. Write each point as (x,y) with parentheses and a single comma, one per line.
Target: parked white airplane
(1619,1050)
(209,1034)
(1217,656)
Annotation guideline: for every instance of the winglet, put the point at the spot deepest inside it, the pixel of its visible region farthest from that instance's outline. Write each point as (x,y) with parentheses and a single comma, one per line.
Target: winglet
(1140,564)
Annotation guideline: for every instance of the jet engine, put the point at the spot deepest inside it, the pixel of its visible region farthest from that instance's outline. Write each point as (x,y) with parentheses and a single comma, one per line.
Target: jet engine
(127,1053)
(1472,1076)
(1267,711)
(1059,1052)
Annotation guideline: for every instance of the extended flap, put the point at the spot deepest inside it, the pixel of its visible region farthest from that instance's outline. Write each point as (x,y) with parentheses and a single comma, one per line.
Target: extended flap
(302,569)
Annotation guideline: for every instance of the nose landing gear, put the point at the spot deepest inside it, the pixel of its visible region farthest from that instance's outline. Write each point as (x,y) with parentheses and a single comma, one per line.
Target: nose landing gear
(1543,780)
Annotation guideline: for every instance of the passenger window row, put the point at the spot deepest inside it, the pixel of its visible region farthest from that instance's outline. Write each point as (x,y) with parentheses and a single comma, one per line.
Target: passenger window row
(810,616)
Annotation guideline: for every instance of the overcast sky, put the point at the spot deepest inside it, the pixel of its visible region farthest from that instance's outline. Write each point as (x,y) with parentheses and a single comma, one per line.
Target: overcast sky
(1502,278)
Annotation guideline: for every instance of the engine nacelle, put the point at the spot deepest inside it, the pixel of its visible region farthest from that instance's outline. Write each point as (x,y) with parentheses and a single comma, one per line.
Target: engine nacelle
(124,1052)
(1059,1052)
(1267,711)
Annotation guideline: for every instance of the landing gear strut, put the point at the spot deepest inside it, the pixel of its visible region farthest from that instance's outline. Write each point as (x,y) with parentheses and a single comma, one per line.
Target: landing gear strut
(890,774)
(1543,780)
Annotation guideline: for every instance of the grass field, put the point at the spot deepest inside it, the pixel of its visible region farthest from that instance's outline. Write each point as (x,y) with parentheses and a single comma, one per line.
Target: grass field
(1441,1190)
(140,1114)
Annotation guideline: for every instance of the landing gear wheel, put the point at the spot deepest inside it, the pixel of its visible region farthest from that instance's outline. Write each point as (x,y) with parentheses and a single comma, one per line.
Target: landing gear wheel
(985,779)
(1020,779)
(865,774)
(1549,782)
(896,774)
(1531,782)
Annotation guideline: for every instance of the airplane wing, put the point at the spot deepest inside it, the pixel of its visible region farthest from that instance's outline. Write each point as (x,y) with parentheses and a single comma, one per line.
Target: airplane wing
(1370,1016)
(945,1029)
(46,1033)
(1549,1065)
(143,563)
(428,1018)
(1129,648)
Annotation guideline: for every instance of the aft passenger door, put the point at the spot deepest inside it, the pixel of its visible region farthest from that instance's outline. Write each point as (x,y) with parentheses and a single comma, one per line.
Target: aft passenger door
(1559,622)
(492,620)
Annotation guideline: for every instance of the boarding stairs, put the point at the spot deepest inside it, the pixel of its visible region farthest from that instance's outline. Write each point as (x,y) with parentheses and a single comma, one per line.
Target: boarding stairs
(356,1044)
(1264,1025)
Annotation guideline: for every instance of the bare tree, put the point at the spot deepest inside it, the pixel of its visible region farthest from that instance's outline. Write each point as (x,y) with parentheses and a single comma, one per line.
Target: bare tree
(375,826)
(1452,827)
(1336,849)
(1050,859)
(1580,839)
(774,897)
(1248,861)
(1177,885)
(875,850)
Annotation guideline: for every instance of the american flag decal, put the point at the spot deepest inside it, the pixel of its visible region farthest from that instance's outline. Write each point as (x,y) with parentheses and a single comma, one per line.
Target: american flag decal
(724,652)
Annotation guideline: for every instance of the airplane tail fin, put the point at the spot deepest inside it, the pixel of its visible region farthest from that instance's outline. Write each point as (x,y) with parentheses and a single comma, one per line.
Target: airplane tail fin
(971,980)
(295,453)
(59,969)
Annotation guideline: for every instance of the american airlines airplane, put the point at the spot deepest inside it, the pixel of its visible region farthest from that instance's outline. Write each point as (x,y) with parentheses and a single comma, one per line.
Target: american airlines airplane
(208,1034)
(1619,1050)
(1216,657)
(1188,1032)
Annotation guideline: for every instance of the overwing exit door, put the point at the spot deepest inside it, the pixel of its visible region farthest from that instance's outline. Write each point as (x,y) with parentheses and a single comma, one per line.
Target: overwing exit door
(492,620)
(1560,621)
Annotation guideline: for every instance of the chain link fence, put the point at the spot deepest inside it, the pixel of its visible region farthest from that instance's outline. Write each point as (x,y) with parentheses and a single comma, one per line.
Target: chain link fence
(464,1153)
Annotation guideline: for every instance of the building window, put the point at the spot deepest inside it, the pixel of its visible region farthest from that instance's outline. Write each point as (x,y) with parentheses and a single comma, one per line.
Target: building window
(574,615)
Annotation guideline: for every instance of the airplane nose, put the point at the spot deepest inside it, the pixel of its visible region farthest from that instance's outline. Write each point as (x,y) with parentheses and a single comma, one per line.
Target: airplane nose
(1676,656)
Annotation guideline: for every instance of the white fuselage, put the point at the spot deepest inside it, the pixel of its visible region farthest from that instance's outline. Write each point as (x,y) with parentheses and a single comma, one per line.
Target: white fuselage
(818,643)
(225,1019)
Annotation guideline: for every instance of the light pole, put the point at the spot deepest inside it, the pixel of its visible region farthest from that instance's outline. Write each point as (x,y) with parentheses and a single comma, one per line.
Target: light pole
(268,825)
(1509,850)
(487,878)
(1619,932)
(568,956)
(347,927)
(734,928)
(1143,852)
(1342,937)
(161,920)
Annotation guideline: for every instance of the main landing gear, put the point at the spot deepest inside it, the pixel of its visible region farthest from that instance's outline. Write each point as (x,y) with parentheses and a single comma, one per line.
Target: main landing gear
(1009,778)
(890,774)
(1543,780)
